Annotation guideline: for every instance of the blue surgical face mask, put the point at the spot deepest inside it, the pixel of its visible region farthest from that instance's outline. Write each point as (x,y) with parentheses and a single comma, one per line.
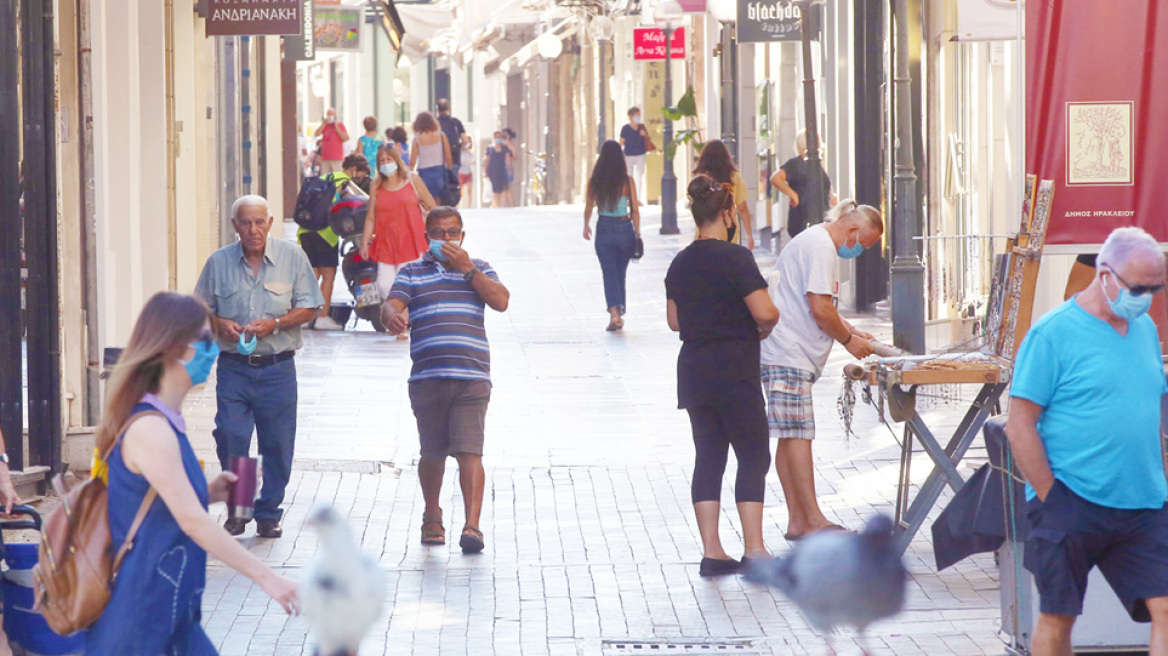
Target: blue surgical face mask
(1127,305)
(388,169)
(247,348)
(199,366)
(849,252)
(436,249)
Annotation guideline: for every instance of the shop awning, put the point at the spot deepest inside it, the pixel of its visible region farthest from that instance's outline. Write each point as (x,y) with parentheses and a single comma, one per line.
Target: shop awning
(530,51)
(420,24)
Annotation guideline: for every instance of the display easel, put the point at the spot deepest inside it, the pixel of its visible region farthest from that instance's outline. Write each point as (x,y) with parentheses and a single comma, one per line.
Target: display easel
(1008,319)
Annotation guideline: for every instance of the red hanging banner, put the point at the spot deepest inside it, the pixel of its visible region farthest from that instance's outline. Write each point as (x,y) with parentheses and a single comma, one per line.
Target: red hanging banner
(1097,76)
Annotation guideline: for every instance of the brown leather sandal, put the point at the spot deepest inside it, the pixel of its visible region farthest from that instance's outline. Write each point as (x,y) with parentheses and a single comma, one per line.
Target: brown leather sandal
(433,533)
(472,540)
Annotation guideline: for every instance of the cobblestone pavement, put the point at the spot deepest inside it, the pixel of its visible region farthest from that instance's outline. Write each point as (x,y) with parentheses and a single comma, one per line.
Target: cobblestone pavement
(591,540)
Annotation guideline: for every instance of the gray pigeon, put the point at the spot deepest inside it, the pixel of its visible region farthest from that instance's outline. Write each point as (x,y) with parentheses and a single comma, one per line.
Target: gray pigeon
(840,578)
(343,589)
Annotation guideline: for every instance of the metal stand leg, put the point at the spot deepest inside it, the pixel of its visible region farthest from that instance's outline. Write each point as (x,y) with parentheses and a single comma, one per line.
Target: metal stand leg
(905,478)
(945,460)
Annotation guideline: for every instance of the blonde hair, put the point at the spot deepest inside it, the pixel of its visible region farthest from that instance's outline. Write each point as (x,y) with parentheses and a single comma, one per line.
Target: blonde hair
(801,145)
(849,209)
(167,325)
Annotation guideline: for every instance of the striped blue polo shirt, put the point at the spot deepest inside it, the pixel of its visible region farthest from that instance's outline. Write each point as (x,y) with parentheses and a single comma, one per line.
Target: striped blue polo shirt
(447,335)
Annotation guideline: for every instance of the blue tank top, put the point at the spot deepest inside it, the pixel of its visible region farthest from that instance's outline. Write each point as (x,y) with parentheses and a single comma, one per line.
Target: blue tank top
(621,210)
(158,594)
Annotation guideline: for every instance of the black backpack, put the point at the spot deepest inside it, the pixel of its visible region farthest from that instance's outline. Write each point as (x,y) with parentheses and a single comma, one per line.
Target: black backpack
(314,202)
(450,127)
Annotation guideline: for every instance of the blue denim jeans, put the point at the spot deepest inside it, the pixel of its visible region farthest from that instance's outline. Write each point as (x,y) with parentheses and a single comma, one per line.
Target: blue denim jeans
(260,400)
(435,179)
(615,241)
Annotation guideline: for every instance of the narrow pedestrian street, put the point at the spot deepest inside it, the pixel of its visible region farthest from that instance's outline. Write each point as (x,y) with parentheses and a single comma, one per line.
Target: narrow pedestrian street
(592,547)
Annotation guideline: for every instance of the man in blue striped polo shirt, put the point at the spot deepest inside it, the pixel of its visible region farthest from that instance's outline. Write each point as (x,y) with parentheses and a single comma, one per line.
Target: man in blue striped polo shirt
(441,299)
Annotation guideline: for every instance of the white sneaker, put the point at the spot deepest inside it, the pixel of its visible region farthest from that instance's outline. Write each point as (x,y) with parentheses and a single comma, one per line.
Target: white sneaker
(327,323)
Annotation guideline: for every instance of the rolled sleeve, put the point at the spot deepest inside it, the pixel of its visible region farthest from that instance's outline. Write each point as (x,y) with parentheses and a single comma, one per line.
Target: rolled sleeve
(305,290)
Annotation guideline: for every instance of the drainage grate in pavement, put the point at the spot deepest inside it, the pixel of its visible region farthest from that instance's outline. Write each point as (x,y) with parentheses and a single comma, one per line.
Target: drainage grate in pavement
(637,647)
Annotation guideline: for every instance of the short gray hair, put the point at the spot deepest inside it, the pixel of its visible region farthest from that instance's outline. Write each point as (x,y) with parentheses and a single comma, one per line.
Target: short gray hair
(865,213)
(249,199)
(1122,242)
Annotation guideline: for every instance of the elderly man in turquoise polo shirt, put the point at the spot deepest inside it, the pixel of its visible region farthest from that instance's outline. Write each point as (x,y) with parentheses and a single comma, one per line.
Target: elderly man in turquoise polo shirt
(1085,428)
(261,292)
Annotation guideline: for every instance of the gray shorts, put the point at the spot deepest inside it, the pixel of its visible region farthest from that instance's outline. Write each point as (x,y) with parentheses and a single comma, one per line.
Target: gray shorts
(451,415)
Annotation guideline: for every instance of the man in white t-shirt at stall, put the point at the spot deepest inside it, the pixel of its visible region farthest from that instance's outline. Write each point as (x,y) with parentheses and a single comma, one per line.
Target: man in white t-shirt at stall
(794,354)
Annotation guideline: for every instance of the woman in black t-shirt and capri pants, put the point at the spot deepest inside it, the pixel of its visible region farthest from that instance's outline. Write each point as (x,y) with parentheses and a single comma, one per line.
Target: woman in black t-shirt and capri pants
(718,301)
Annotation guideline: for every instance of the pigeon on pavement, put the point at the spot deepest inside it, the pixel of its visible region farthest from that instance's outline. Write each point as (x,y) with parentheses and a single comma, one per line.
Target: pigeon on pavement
(840,578)
(343,589)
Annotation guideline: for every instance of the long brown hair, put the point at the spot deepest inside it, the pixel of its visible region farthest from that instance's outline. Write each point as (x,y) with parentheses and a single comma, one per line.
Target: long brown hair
(168,324)
(425,122)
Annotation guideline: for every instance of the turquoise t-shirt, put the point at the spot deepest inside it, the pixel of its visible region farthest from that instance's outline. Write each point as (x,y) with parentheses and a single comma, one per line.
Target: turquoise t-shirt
(1100,392)
(369,146)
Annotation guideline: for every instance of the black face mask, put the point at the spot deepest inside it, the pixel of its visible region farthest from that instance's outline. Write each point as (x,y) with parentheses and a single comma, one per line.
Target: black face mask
(363,183)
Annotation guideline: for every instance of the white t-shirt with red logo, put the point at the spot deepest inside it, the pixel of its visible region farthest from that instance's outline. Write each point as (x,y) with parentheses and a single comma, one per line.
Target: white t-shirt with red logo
(809,264)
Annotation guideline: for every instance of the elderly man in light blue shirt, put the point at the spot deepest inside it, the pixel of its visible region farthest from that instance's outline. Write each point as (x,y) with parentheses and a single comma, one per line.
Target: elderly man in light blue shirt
(261,292)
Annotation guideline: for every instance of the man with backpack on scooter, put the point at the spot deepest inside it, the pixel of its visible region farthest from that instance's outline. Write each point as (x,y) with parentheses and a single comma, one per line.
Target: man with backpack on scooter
(321,245)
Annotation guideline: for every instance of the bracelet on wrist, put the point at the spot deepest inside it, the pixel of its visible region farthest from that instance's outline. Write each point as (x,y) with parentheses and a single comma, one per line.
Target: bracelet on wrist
(849,339)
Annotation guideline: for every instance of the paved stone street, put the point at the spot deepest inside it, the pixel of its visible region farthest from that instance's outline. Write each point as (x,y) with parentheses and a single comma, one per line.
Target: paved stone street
(591,540)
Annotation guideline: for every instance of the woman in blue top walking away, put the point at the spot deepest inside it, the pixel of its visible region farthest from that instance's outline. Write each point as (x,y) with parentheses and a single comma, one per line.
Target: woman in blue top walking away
(157,595)
(614,195)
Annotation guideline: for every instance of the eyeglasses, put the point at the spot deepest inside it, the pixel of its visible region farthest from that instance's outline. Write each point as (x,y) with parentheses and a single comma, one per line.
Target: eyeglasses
(1136,290)
(436,233)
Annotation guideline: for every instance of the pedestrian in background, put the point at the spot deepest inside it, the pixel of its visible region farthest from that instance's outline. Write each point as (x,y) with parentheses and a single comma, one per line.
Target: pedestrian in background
(794,179)
(1085,430)
(156,601)
(397,138)
(261,292)
(369,143)
(612,191)
(634,138)
(717,163)
(794,355)
(430,154)
(509,192)
(718,301)
(332,135)
(466,174)
(497,166)
(321,245)
(395,232)
(442,299)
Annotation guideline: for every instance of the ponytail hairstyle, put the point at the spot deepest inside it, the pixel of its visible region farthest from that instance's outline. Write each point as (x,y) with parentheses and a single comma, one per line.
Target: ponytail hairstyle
(865,214)
(169,323)
(709,199)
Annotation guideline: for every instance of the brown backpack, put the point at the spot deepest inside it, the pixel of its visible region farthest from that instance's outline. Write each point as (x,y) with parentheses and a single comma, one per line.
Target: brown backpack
(76,565)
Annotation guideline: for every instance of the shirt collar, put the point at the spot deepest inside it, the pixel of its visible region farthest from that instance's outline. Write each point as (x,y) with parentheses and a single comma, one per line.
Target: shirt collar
(174,417)
(267,250)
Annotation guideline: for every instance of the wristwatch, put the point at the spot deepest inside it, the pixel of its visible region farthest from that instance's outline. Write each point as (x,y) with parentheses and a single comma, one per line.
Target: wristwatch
(277,330)
(469,275)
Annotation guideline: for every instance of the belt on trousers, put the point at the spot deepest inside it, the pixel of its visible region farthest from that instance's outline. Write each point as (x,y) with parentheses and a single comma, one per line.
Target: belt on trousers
(259,360)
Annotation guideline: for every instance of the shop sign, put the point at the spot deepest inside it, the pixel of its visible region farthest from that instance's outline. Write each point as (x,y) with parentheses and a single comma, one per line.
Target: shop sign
(339,28)
(649,43)
(762,21)
(302,46)
(253,17)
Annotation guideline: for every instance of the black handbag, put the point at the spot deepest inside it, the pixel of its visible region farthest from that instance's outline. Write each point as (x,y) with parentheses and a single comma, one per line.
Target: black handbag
(452,195)
(638,248)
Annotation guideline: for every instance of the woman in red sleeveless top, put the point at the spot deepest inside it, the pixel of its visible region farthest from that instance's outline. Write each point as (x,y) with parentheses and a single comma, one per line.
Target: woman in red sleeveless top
(395,230)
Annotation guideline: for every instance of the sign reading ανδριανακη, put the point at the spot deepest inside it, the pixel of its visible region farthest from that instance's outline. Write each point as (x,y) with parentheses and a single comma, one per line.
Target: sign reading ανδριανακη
(253,17)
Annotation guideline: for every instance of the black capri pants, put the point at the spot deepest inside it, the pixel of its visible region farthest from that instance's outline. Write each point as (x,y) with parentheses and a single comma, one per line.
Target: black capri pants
(736,419)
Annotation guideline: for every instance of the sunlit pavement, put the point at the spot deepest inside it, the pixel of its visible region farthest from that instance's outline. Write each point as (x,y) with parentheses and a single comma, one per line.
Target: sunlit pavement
(590,535)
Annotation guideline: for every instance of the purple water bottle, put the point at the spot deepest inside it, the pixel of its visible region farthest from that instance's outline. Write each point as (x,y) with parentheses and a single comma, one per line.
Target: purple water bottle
(241,503)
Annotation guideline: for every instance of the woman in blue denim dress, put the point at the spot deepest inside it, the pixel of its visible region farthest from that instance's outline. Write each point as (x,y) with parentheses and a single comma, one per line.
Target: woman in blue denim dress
(157,594)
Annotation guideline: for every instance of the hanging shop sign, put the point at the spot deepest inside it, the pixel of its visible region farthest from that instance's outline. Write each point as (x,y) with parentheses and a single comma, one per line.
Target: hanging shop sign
(764,21)
(302,46)
(649,43)
(987,20)
(339,28)
(1095,133)
(253,17)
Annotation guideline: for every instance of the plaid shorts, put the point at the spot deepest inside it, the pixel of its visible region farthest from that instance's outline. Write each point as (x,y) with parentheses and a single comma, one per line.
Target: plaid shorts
(790,412)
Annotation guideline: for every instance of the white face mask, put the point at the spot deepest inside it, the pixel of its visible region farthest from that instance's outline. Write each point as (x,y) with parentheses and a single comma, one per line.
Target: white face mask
(637,119)
(388,169)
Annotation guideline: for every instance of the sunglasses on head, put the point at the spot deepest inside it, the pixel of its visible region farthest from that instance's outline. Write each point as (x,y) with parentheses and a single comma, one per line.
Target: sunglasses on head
(1136,290)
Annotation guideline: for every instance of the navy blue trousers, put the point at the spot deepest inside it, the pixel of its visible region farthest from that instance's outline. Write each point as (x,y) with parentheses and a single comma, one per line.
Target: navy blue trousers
(614,246)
